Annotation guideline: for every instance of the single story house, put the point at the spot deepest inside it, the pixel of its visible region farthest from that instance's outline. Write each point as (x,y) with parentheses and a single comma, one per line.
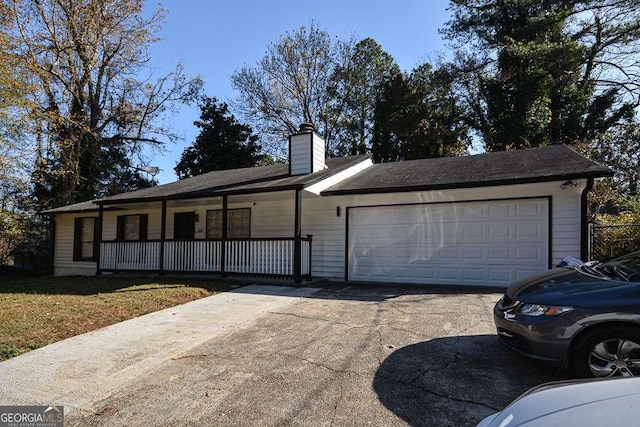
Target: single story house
(485,219)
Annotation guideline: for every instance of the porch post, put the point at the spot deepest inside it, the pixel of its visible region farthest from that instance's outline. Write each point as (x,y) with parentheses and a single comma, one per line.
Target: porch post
(98,233)
(223,249)
(297,250)
(163,234)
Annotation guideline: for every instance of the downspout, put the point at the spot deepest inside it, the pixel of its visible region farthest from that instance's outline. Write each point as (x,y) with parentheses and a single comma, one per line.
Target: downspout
(584,223)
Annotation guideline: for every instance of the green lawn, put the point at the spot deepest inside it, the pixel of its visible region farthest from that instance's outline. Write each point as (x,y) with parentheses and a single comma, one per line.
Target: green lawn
(35,312)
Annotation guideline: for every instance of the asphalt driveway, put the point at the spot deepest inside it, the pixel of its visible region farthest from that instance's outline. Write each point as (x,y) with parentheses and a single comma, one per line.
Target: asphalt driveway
(295,356)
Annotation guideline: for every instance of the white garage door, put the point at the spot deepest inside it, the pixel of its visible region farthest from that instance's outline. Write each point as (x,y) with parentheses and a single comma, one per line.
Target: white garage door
(473,243)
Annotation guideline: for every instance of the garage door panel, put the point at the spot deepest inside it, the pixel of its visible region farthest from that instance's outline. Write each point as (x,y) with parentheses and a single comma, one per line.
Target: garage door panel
(472,212)
(498,253)
(531,208)
(493,242)
(474,254)
(474,231)
(499,231)
(500,275)
(503,210)
(528,230)
(473,274)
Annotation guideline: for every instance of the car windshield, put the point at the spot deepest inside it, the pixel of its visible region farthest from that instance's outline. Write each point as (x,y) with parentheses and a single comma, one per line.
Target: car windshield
(626,267)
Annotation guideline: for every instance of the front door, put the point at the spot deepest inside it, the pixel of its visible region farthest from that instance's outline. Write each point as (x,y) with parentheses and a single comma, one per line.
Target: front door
(184,225)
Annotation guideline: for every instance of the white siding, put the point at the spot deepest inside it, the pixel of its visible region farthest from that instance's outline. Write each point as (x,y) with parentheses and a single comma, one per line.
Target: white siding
(63,262)
(320,218)
(300,156)
(318,153)
(273,218)
(307,153)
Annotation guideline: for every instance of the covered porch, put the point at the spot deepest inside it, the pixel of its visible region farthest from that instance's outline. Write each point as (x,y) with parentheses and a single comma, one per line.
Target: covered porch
(242,234)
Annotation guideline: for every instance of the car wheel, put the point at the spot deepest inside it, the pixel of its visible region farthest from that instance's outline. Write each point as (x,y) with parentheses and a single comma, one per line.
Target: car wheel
(608,352)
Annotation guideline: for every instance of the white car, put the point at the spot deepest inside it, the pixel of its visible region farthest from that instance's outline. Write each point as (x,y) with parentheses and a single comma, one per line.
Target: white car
(595,402)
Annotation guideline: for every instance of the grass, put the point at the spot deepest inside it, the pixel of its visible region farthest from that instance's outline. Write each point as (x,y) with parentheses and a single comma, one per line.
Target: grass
(38,311)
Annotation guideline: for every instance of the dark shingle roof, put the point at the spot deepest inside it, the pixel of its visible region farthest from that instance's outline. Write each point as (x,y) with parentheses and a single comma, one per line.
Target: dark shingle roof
(75,208)
(231,181)
(334,166)
(556,162)
(234,181)
(205,183)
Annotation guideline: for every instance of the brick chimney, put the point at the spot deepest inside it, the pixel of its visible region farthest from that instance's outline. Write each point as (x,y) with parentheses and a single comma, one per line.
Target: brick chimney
(306,151)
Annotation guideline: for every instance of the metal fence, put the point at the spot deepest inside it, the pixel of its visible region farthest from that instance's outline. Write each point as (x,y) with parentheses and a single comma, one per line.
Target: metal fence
(610,241)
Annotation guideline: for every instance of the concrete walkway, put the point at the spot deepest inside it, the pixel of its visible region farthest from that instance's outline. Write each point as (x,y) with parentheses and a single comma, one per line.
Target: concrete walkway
(89,367)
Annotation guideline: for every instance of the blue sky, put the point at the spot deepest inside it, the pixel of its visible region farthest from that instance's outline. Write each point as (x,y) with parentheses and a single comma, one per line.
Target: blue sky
(213,38)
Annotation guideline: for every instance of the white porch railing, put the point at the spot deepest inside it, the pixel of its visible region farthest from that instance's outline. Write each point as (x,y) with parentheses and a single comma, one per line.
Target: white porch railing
(273,257)
(126,256)
(266,257)
(192,255)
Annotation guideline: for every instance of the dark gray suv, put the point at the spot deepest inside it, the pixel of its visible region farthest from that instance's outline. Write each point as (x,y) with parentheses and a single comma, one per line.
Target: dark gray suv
(586,317)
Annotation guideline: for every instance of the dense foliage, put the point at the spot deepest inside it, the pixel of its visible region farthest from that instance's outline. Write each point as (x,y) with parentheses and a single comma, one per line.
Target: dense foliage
(417,116)
(223,142)
(536,73)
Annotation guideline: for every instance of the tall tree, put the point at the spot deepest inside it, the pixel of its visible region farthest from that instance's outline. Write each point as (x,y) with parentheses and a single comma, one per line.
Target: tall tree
(619,149)
(15,220)
(546,72)
(223,142)
(291,85)
(12,87)
(91,111)
(358,82)
(418,116)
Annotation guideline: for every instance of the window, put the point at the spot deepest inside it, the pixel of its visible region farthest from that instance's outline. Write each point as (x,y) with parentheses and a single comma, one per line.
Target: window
(238,223)
(85,239)
(132,227)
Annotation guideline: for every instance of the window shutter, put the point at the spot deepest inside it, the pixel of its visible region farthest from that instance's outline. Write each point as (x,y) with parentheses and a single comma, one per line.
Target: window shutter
(96,239)
(214,224)
(120,228)
(77,239)
(144,225)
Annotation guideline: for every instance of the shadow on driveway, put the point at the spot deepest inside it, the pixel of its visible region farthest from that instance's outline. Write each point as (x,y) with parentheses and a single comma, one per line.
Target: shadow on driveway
(463,378)
(373,292)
